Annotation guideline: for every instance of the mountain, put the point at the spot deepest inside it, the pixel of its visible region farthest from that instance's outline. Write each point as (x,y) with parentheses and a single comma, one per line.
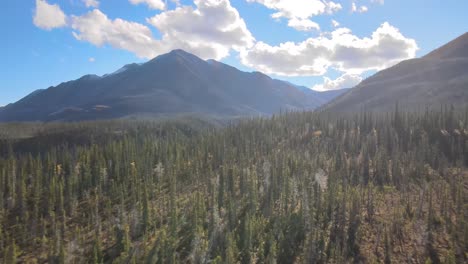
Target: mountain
(170,84)
(439,78)
(321,97)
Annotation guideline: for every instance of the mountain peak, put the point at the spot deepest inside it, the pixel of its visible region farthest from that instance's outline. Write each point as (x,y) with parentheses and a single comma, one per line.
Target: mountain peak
(457,48)
(180,52)
(183,54)
(123,69)
(89,77)
(175,54)
(171,84)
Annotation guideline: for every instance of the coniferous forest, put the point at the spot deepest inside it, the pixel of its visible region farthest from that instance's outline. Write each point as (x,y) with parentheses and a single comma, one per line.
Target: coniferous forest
(292,188)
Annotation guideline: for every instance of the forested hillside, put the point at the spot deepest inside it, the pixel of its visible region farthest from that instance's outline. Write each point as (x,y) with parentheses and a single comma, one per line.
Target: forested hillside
(294,188)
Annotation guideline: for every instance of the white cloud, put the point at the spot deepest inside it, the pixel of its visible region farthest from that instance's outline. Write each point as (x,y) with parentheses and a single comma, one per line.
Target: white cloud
(378,1)
(176,2)
(335,23)
(91,3)
(342,82)
(300,12)
(288,59)
(91,59)
(303,24)
(210,30)
(360,9)
(153,4)
(96,28)
(340,50)
(47,16)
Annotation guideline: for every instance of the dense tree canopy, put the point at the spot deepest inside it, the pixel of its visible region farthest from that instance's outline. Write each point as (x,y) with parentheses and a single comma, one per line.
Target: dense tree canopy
(293,188)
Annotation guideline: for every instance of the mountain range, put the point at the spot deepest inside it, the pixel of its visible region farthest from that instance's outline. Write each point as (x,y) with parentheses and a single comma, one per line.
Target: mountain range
(439,78)
(180,83)
(171,84)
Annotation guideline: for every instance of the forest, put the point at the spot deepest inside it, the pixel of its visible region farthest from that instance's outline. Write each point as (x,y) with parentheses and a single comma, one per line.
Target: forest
(302,187)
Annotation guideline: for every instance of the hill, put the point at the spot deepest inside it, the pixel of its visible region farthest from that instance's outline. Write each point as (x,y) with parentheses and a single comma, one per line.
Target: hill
(439,78)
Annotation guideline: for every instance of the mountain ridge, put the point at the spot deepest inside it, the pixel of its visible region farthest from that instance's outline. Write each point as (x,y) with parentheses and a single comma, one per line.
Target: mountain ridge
(439,78)
(448,50)
(173,83)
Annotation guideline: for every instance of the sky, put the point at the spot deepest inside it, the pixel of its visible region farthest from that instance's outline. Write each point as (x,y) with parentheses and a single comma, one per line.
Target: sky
(320,44)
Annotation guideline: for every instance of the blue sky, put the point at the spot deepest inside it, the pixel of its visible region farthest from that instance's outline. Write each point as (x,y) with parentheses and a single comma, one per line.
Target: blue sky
(317,43)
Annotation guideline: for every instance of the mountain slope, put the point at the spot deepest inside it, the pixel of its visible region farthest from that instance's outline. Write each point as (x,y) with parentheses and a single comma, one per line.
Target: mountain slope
(321,97)
(173,83)
(439,78)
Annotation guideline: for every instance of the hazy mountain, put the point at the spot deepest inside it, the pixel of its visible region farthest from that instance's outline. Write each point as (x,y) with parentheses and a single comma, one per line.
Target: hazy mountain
(173,83)
(439,78)
(321,98)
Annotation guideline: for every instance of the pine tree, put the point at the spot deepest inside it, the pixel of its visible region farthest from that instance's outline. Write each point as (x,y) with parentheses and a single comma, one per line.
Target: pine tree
(97,250)
(387,249)
(12,253)
(62,254)
(146,216)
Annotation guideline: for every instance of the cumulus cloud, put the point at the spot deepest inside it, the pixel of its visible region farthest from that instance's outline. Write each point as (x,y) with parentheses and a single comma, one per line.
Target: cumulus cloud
(300,12)
(210,30)
(340,50)
(91,59)
(363,9)
(91,3)
(47,16)
(335,23)
(342,82)
(95,27)
(176,2)
(153,4)
(360,9)
(303,24)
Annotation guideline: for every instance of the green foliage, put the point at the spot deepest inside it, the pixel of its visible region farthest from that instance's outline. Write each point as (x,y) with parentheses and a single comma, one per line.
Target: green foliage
(297,187)
(11,253)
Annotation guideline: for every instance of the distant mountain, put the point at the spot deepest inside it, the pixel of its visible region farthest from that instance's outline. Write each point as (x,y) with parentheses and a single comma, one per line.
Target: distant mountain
(321,98)
(171,84)
(439,78)
(318,98)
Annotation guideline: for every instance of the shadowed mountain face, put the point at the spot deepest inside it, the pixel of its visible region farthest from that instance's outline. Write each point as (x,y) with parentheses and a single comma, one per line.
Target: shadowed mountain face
(173,83)
(439,78)
(321,98)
